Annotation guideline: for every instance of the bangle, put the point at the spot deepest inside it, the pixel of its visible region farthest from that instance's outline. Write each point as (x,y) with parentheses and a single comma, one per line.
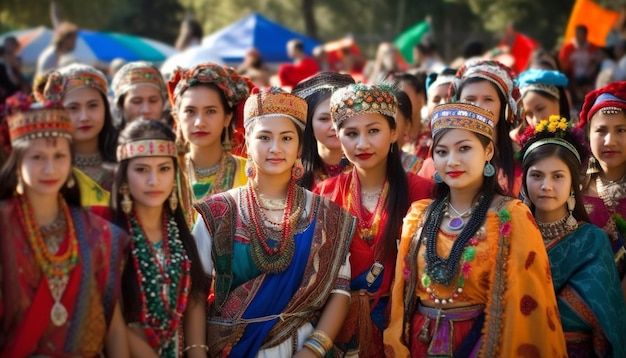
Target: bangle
(203,346)
(323,339)
(315,347)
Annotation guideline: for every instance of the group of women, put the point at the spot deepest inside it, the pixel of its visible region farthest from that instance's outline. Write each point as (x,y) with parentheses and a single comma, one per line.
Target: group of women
(274,224)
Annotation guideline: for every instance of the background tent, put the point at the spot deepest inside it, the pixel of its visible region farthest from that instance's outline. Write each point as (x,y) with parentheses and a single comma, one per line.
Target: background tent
(232,42)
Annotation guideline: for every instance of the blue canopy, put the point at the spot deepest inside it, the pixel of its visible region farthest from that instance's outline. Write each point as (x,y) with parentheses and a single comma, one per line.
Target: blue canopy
(269,38)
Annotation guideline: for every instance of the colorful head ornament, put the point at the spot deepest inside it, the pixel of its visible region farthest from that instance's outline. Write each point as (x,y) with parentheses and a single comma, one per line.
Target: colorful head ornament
(137,73)
(463,116)
(274,102)
(147,148)
(73,77)
(362,98)
(325,82)
(541,81)
(610,99)
(556,131)
(235,88)
(28,120)
(493,71)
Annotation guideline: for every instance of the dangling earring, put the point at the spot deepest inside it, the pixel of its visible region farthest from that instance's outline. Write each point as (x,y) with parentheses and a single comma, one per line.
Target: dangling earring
(227,145)
(489,170)
(438,178)
(70,182)
(592,167)
(571,205)
(250,168)
(127,202)
(173,200)
(19,188)
(297,171)
(391,148)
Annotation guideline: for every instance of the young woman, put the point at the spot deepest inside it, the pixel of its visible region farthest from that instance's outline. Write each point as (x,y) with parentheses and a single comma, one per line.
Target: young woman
(378,193)
(469,278)
(491,85)
(60,266)
(542,95)
(139,91)
(604,116)
(589,295)
(206,102)
(276,253)
(410,162)
(163,285)
(83,91)
(323,157)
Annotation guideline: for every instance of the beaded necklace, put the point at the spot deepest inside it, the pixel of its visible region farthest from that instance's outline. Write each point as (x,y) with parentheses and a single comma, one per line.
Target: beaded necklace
(164,286)
(555,230)
(91,165)
(368,227)
(271,248)
(224,177)
(56,268)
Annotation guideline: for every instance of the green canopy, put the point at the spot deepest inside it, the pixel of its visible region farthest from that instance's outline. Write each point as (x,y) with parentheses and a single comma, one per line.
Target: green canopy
(411,37)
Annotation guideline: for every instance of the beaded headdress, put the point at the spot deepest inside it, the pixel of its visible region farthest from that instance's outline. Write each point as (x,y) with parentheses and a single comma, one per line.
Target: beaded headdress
(73,77)
(28,120)
(137,73)
(235,88)
(555,130)
(541,81)
(463,116)
(147,148)
(610,99)
(493,71)
(362,98)
(274,102)
(326,82)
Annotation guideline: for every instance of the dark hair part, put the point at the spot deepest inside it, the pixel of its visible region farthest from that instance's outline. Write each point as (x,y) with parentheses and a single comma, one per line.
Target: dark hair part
(404,105)
(8,174)
(311,159)
(139,130)
(567,157)
(504,153)
(417,81)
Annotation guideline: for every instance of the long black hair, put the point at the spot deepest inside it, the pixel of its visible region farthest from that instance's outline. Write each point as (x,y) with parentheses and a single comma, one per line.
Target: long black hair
(8,174)
(107,138)
(311,159)
(139,130)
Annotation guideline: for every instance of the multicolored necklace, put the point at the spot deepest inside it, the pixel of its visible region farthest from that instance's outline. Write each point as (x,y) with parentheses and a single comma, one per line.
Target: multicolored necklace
(555,230)
(56,268)
(368,225)
(271,250)
(164,284)
(224,177)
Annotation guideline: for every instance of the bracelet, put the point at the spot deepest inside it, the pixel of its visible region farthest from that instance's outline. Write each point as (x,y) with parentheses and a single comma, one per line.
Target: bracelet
(203,346)
(323,339)
(315,347)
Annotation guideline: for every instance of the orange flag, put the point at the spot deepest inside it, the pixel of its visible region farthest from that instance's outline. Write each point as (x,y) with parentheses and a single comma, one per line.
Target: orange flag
(599,21)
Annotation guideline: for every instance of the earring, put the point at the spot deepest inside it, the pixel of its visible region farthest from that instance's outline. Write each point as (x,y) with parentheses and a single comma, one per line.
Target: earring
(571,205)
(19,188)
(173,200)
(226,143)
(592,166)
(297,171)
(250,168)
(489,170)
(391,148)
(70,182)
(127,202)
(438,178)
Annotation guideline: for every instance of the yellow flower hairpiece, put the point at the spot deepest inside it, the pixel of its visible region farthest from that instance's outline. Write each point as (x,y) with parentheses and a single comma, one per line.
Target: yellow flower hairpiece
(553,124)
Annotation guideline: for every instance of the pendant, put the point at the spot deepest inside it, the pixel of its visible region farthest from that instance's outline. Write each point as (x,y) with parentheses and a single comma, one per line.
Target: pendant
(58,314)
(456,224)
(424,335)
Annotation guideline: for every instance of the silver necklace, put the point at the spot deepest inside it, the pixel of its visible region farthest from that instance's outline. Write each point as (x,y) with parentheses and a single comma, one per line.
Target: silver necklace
(457,223)
(611,191)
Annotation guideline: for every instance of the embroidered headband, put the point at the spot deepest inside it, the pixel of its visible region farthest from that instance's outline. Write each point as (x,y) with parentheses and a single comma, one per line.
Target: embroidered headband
(147,148)
(611,99)
(463,116)
(137,73)
(558,141)
(493,71)
(235,88)
(362,98)
(326,82)
(274,102)
(73,77)
(28,120)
